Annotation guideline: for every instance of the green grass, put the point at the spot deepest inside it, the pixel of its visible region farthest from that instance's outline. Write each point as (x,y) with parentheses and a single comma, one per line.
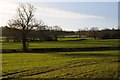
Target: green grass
(61,65)
(72,35)
(63,44)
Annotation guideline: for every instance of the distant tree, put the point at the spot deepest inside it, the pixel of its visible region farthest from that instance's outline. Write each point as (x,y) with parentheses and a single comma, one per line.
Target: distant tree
(85,29)
(56,31)
(79,32)
(93,31)
(25,21)
(85,32)
(42,27)
(6,32)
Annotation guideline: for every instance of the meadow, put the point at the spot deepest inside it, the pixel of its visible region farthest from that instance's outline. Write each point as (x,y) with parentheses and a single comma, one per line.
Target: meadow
(94,64)
(63,43)
(80,64)
(32,49)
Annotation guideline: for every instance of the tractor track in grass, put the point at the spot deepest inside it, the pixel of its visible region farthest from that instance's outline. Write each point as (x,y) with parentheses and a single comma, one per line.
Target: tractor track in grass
(68,66)
(74,64)
(82,73)
(67,74)
(14,73)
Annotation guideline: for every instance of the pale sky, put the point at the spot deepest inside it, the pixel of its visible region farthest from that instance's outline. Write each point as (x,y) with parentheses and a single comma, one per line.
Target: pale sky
(67,15)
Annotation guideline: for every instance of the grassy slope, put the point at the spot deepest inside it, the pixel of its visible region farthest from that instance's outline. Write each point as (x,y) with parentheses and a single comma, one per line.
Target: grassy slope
(66,64)
(63,44)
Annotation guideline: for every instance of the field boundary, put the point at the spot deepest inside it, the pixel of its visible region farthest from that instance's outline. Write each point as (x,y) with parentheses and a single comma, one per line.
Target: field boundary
(41,50)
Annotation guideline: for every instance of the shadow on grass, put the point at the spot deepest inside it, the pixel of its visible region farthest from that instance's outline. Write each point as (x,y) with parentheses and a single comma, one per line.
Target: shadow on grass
(90,55)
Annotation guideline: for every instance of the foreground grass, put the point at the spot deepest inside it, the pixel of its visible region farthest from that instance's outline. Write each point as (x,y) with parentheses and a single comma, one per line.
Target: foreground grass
(63,44)
(94,64)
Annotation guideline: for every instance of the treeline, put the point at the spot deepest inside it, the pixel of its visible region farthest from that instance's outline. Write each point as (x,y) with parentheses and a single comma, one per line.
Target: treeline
(46,33)
(99,34)
(43,33)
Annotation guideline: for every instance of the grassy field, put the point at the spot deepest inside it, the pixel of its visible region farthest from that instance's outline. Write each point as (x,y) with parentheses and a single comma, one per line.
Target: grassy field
(102,64)
(63,44)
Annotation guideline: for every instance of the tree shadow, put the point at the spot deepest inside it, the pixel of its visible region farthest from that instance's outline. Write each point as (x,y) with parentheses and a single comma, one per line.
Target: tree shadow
(90,55)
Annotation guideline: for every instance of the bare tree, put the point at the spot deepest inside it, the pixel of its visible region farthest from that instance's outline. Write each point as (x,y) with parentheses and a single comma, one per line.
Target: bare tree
(85,32)
(79,32)
(94,32)
(86,29)
(25,21)
(56,31)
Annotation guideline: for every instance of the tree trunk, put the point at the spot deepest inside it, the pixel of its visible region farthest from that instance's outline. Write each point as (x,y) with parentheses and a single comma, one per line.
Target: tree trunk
(7,38)
(79,35)
(24,41)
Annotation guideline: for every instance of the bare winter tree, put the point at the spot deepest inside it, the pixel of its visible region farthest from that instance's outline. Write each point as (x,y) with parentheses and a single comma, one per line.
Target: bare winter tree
(56,32)
(25,21)
(94,32)
(79,32)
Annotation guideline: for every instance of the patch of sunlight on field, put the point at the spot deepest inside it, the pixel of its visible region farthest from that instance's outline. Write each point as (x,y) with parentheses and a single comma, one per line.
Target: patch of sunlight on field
(63,44)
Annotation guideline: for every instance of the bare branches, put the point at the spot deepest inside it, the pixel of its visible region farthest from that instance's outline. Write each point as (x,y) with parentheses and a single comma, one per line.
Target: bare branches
(25,21)
(25,14)
(25,18)
(15,24)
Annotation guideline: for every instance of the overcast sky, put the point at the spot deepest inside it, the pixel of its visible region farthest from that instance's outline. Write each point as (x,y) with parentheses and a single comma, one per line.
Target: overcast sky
(67,15)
